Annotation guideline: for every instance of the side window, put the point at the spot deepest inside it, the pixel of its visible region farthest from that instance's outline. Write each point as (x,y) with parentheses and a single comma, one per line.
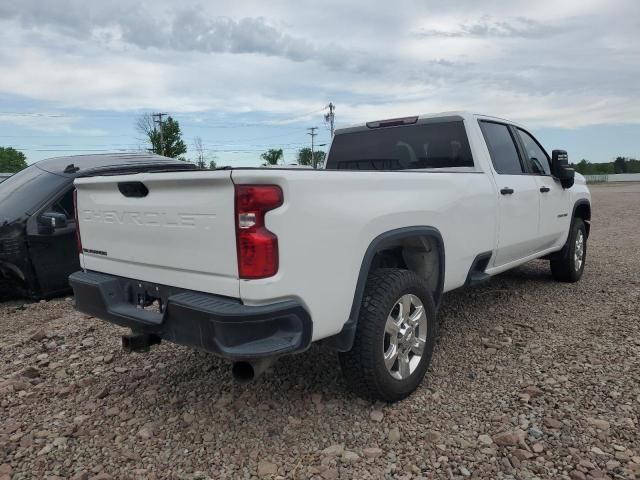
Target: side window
(65,205)
(536,156)
(504,154)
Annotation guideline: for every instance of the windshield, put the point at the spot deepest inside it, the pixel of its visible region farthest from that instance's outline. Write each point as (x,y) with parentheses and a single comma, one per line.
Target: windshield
(428,145)
(26,190)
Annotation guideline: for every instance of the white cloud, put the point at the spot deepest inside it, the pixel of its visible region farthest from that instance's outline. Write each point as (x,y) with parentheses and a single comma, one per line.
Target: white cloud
(517,27)
(542,63)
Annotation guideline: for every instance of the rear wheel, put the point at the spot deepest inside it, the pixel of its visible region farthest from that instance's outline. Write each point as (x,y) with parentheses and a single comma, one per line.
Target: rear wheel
(568,264)
(11,288)
(395,337)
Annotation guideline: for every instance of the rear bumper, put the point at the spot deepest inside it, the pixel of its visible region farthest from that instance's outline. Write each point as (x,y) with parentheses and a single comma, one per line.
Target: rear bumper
(219,325)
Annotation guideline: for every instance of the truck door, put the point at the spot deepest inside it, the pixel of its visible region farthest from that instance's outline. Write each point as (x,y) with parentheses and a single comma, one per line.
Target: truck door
(555,214)
(518,196)
(51,237)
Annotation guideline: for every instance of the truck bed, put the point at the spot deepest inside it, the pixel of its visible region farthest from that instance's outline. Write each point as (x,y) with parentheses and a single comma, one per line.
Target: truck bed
(183,232)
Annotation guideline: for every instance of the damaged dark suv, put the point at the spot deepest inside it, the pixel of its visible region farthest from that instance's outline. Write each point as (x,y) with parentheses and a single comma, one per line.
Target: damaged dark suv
(38,248)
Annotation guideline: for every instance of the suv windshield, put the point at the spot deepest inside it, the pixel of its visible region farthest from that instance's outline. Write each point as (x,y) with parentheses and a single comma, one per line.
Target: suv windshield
(26,190)
(427,145)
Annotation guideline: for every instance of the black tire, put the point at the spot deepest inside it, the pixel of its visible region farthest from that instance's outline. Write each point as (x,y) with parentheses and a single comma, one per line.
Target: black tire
(11,289)
(564,265)
(363,367)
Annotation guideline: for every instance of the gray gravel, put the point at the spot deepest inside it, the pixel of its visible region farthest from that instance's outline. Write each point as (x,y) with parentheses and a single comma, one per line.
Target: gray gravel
(531,379)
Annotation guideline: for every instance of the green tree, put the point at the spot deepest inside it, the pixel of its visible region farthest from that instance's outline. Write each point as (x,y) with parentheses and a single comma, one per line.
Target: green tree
(582,166)
(169,143)
(319,157)
(304,157)
(633,165)
(272,156)
(587,168)
(620,165)
(11,160)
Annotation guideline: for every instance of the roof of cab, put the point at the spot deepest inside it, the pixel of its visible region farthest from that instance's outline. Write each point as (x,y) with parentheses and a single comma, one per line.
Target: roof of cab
(83,163)
(457,114)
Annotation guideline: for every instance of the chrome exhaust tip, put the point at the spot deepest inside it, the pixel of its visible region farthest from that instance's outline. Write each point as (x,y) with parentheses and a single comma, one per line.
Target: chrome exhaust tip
(246,371)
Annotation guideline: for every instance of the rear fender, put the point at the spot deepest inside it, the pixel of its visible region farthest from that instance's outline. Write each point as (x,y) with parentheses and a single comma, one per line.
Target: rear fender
(343,341)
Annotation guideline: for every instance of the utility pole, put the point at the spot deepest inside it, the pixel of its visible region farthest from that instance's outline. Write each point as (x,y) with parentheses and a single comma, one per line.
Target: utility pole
(159,117)
(312,132)
(330,117)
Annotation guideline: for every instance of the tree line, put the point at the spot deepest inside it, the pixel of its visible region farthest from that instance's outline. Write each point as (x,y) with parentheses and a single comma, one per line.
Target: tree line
(169,143)
(274,156)
(166,139)
(619,165)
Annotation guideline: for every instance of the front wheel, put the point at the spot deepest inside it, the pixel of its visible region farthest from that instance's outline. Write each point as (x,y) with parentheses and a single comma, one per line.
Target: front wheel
(568,264)
(394,339)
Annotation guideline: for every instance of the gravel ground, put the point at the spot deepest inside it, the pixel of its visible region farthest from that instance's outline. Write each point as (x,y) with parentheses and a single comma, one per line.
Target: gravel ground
(530,379)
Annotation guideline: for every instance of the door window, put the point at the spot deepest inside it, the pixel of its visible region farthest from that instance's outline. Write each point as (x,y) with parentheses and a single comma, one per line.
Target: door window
(502,148)
(536,156)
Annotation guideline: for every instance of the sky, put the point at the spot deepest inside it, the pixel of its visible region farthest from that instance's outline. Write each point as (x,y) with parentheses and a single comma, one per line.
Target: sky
(252,75)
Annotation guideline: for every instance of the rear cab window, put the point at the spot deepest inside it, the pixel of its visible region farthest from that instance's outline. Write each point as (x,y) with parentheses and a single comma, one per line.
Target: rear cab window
(433,145)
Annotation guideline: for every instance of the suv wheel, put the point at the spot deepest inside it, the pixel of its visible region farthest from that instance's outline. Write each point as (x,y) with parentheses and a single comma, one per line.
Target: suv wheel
(568,264)
(395,337)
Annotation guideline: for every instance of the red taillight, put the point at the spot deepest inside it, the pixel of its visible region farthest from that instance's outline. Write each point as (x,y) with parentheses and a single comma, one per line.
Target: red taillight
(75,213)
(257,246)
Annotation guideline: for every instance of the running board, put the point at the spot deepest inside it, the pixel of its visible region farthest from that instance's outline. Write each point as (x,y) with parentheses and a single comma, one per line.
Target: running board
(478,277)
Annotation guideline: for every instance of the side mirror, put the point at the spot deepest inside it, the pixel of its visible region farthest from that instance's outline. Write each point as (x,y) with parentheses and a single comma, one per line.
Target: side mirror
(561,168)
(48,222)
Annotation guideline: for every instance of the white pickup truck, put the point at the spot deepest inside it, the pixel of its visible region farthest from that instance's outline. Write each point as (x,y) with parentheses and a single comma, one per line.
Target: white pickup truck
(252,263)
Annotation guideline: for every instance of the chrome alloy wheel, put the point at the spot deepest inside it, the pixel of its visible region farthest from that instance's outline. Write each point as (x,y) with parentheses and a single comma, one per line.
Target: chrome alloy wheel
(405,337)
(578,252)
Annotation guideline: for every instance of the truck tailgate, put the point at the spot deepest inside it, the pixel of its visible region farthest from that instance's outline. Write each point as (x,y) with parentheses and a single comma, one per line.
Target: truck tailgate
(173,228)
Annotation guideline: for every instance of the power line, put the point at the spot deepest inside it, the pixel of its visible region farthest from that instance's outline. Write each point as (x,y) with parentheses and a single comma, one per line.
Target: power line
(221,150)
(310,113)
(72,115)
(300,116)
(137,113)
(31,114)
(68,134)
(209,146)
